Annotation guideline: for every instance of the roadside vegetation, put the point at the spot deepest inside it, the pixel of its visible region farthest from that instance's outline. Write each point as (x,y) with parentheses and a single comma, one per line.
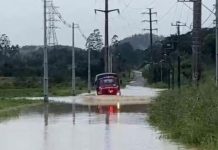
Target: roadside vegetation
(11,107)
(13,103)
(189,115)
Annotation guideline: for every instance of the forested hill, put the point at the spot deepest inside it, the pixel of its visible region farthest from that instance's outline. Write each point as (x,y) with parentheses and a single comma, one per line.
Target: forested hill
(29,49)
(141,41)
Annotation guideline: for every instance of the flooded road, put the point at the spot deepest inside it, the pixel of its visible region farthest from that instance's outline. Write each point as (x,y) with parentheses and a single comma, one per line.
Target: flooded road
(70,127)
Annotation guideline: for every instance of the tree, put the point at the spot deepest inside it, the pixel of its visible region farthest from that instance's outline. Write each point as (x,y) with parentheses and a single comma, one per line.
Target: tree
(114,41)
(6,48)
(4,44)
(114,45)
(94,41)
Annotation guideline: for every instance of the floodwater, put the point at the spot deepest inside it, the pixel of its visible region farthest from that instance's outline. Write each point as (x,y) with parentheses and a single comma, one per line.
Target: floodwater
(70,127)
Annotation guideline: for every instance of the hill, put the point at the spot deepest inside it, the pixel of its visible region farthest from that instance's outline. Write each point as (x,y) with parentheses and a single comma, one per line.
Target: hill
(141,41)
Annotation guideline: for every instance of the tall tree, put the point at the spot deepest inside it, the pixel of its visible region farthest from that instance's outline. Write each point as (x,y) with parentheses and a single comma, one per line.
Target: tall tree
(94,41)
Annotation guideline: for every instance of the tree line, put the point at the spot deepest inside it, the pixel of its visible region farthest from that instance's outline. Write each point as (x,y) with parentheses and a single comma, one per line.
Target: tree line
(24,65)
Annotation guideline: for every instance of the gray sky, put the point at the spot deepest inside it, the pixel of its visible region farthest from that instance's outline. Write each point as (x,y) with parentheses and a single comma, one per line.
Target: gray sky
(22,20)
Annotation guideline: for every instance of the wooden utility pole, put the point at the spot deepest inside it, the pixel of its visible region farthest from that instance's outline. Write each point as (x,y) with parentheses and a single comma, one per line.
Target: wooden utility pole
(178,25)
(106,47)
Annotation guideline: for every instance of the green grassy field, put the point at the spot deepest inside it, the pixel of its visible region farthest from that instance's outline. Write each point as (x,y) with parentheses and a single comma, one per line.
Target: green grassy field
(37,92)
(189,115)
(11,103)
(11,107)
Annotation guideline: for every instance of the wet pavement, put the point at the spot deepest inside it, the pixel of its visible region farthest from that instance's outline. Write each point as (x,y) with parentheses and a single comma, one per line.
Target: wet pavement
(72,127)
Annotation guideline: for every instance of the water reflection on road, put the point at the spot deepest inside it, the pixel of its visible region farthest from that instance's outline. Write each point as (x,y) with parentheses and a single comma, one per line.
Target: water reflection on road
(71,127)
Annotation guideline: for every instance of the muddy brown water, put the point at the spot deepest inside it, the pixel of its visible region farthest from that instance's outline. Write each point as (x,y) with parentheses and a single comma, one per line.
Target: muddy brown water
(71,127)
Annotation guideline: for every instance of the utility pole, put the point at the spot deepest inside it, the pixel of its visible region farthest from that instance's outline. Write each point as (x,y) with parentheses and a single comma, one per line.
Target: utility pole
(73,60)
(216,43)
(170,67)
(196,40)
(106,48)
(89,70)
(161,70)
(45,64)
(178,25)
(151,21)
(196,48)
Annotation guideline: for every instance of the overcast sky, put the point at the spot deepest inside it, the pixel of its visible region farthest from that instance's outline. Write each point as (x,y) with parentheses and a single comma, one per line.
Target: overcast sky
(22,20)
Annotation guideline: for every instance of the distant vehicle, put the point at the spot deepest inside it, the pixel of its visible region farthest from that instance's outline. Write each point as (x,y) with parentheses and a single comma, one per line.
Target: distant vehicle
(107,84)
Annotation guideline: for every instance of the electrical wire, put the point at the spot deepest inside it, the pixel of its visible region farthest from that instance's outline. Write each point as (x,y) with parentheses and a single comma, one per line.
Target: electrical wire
(181,14)
(126,5)
(168,11)
(208,8)
(187,6)
(58,14)
(208,17)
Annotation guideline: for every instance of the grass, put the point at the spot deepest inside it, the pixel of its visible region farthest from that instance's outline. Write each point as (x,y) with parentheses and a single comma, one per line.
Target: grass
(160,85)
(9,88)
(21,92)
(12,103)
(189,115)
(37,92)
(11,107)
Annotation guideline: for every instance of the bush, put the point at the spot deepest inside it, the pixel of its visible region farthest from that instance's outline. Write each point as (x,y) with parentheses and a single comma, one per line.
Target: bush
(189,115)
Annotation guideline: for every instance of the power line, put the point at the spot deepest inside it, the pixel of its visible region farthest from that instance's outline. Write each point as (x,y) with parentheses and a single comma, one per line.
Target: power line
(126,5)
(208,17)
(187,6)
(82,34)
(208,8)
(67,24)
(168,11)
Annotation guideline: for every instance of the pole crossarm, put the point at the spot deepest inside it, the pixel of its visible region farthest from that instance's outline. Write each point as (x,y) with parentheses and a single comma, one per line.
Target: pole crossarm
(96,10)
(187,0)
(156,29)
(108,11)
(178,23)
(114,10)
(149,21)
